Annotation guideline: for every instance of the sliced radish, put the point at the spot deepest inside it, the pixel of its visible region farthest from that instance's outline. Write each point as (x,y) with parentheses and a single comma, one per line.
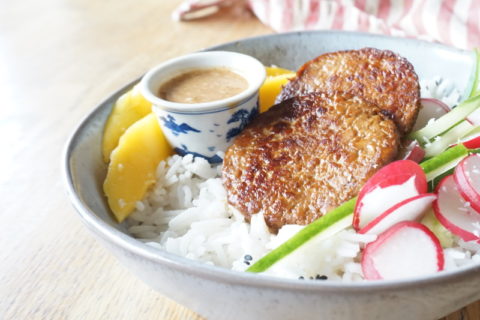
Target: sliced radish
(412,209)
(454,212)
(378,200)
(392,184)
(431,109)
(467,178)
(471,142)
(413,152)
(408,249)
(472,139)
(397,172)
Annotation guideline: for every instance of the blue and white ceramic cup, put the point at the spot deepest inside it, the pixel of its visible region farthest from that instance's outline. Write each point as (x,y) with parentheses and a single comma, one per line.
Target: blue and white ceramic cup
(205,129)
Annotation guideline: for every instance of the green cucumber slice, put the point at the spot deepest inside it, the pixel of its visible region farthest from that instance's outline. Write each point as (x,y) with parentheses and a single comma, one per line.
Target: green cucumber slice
(450,137)
(475,130)
(476,82)
(444,161)
(432,184)
(446,121)
(446,237)
(336,220)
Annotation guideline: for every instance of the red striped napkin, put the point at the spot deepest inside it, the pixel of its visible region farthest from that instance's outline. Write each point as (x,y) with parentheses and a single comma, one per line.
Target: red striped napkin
(453,22)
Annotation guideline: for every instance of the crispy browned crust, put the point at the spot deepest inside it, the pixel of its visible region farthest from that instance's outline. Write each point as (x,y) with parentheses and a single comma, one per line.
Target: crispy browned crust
(380,77)
(306,156)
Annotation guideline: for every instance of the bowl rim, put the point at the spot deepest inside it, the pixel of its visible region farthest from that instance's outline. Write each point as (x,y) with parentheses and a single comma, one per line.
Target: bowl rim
(214,273)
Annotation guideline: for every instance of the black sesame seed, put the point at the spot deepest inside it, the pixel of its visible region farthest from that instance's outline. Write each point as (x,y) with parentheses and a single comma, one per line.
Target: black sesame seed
(319,277)
(301,278)
(247,262)
(248,257)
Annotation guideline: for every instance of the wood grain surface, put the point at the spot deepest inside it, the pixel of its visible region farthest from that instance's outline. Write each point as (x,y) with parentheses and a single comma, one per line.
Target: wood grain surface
(58,60)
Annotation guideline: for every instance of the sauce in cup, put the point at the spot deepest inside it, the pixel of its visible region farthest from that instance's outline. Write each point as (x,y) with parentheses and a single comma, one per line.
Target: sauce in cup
(203,100)
(203,85)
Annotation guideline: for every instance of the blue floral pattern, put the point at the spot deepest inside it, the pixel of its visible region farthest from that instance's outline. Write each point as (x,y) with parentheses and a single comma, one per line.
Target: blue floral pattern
(176,129)
(184,150)
(242,116)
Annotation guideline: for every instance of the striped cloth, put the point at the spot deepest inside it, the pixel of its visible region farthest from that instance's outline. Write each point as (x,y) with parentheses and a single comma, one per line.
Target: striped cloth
(453,22)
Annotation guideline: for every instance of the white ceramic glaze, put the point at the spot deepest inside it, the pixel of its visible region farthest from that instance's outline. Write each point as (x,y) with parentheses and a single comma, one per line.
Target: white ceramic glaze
(205,129)
(217,293)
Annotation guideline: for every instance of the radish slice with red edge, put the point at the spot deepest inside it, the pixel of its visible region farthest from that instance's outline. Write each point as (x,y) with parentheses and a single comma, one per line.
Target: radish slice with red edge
(390,185)
(412,209)
(467,178)
(408,249)
(454,212)
(431,109)
(378,200)
(471,141)
(413,152)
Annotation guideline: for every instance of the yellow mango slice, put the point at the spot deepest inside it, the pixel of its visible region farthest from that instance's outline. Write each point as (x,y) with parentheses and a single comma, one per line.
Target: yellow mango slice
(133,164)
(129,108)
(271,88)
(276,71)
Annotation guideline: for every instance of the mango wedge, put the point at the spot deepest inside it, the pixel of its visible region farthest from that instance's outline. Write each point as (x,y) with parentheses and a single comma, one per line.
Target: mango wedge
(128,109)
(133,165)
(271,88)
(276,71)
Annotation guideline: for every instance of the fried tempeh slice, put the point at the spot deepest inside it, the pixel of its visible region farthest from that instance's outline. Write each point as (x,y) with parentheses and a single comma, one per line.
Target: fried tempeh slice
(306,156)
(380,77)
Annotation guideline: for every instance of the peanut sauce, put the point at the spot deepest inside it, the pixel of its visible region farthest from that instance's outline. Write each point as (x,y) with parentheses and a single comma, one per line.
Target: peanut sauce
(203,85)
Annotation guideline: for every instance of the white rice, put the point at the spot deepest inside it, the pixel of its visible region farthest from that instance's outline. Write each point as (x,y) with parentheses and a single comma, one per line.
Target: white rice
(440,89)
(186,213)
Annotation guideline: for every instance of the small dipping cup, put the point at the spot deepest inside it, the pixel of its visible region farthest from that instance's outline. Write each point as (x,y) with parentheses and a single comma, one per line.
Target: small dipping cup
(205,129)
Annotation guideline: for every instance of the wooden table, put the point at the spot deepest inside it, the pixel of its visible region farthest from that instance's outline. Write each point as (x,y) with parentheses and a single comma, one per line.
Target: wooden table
(58,59)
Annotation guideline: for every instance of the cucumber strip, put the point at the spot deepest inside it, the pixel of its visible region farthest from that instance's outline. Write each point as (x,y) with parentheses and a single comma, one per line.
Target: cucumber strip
(452,136)
(341,217)
(446,237)
(446,121)
(444,161)
(336,220)
(474,131)
(432,184)
(474,117)
(476,82)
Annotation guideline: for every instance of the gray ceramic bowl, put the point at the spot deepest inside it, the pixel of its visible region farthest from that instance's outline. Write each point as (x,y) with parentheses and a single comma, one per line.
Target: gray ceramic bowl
(218,293)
